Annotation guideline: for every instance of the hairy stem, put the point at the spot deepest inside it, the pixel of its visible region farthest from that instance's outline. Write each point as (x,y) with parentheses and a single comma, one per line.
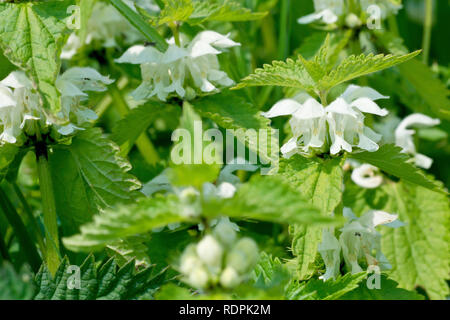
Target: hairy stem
(49,208)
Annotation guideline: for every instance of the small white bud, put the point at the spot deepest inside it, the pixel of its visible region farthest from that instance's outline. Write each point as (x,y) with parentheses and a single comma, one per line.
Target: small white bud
(229,278)
(190,201)
(352,21)
(199,278)
(210,251)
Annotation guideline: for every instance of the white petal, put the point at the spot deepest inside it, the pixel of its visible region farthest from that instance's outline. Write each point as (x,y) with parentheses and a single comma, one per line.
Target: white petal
(364,177)
(417,119)
(375,218)
(289,148)
(309,110)
(368,106)
(354,92)
(139,55)
(215,39)
(423,161)
(309,18)
(17,79)
(341,106)
(340,144)
(282,108)
(367,144)
(6,97)
(173,54)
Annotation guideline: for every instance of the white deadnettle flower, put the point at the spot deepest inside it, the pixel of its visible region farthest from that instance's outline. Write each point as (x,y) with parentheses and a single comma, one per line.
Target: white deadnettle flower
(19,107)
(326,11)
(243,256)
(72,85)
(329,11)
(344,116)
(180,69)
(365,176)
(404,137)
(358,240)
(346,119)
(21,110)
(229,278)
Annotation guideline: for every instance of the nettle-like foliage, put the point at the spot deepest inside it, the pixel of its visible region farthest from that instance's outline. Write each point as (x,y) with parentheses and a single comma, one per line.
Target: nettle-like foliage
(98,93)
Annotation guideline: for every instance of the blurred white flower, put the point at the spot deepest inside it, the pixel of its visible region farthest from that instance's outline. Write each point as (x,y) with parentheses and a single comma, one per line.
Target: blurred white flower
(326,11)
(365,176)
(359,239)
(210,251)
(106,25)
(229,278)
(330,251)
(404,137)
(243,256)
(180,70)
(387,7)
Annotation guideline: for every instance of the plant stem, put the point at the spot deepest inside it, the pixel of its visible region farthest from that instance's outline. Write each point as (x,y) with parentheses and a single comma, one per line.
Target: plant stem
(106,101)
(283,46)
(26,244)
(175,27)
(49,208)
(3,249)
(323,98)
(31,218)
(428,23)
(143,143)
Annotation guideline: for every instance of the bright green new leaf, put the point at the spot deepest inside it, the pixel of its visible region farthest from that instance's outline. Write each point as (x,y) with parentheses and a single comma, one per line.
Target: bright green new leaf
(320,181)
(126,221)
(31,37)
(88,175)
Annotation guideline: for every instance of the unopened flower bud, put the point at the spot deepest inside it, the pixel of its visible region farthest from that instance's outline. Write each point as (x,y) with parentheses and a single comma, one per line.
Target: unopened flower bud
(352,21)
(210,251)
(229,278)
(243,256)
(199,278)
(225,232)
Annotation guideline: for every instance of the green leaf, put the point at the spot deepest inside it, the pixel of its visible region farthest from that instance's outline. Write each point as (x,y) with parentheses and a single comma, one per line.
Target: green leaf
(390,159)
(106,282)
(173,292)
(357,66)
(128,130)
(193,171)
(427,86)
(8,153)
(15,286)
(271,199)
(321,182)
(232,112)
(284,74)
(131,248)
(89,175)
(314,75)
(31,36)
(175,11)
(419,251)
(140,24)
(316,289)
(126,221)
(388,291)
